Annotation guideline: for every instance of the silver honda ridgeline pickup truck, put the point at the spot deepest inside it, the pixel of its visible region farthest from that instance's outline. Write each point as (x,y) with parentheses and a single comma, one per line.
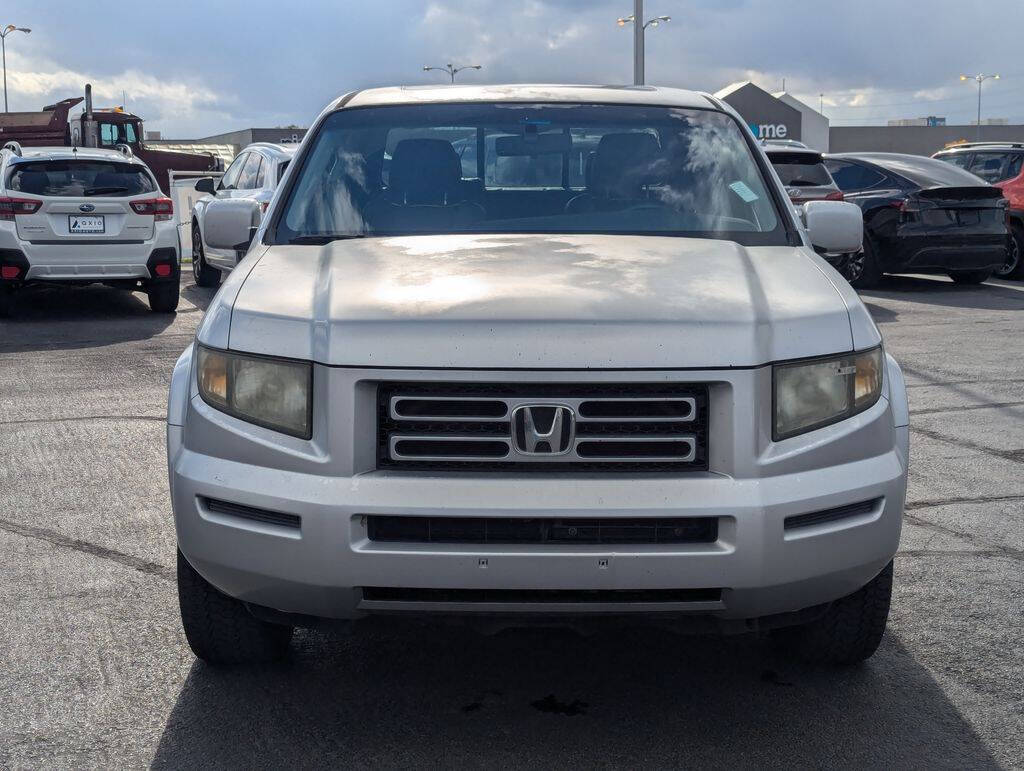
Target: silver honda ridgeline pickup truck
(536,353)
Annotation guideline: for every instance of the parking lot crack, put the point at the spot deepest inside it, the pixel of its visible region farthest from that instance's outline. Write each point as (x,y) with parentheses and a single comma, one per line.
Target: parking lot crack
(73,418)
(991,548)
(85,547)
(926,504)
(987,406)
(1016,456)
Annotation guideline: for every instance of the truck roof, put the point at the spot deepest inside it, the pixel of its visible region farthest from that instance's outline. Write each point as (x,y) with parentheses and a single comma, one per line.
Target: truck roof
(648,95)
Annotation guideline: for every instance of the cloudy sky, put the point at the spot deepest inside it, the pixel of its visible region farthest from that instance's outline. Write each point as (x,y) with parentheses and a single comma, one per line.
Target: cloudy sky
(196,67)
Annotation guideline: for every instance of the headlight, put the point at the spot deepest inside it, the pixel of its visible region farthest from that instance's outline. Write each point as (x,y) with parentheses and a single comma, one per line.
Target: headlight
(815,393)
(273,393)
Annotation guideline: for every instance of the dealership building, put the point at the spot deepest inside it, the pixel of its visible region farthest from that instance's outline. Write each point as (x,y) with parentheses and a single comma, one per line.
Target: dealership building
(781,116)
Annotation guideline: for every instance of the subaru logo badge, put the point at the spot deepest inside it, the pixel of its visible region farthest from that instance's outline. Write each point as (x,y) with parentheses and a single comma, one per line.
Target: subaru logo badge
(543,429)
(86,207)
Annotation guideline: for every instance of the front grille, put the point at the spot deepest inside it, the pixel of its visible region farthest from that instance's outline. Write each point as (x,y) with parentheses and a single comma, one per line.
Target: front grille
(497,530)
(543,426)
(831,515)
(575,596)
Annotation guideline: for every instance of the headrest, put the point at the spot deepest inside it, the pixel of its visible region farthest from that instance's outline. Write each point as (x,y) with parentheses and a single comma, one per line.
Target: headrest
(33,182)
(424,171)
(623,163)
(110,179)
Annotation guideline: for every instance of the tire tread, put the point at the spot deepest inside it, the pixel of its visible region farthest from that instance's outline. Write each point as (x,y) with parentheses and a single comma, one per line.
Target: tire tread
(852,628)
(219,629)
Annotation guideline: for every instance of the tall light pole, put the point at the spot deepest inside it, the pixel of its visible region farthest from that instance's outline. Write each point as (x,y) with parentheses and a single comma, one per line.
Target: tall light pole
(3,46)
(639,28)
(452,71)
(980,79)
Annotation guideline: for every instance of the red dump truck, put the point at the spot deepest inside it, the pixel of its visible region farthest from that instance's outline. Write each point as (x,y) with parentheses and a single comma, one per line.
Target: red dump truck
(55,126)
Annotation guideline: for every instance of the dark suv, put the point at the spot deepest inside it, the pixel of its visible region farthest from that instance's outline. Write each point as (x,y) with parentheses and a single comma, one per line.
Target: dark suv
(1000,164)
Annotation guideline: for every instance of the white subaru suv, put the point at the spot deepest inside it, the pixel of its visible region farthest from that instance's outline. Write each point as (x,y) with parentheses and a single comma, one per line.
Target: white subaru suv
(521,353)
(79,215)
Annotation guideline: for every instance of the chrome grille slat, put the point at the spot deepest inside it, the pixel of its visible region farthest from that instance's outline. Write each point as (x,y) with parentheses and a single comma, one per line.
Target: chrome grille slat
(398,454)
(620,426)
(397,400)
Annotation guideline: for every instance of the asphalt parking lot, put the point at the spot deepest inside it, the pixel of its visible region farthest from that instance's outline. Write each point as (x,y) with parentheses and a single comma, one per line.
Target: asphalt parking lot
(97,673)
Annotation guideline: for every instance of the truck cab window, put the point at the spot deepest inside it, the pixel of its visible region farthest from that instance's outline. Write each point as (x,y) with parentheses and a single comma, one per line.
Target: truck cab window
(117,133)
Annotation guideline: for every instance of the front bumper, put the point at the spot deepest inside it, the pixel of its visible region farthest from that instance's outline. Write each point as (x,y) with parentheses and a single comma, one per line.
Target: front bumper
(321,568)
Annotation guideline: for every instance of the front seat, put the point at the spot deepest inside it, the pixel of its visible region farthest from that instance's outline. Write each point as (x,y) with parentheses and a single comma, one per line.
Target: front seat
(425,191)
(617,172)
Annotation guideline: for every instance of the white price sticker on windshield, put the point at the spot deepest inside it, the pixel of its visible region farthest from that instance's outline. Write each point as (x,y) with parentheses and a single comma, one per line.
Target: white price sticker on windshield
(744,192)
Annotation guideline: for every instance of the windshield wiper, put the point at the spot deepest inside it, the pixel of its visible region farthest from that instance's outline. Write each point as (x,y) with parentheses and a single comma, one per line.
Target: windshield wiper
(325,238)
(104,190)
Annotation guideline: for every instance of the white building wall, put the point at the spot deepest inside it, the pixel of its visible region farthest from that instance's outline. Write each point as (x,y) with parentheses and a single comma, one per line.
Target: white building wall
(814,128)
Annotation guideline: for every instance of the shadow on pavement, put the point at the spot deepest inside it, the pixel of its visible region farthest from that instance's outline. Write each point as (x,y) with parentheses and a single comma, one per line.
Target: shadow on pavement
(69,317)
(881,315)
(938,290)
(197,295)
(546,698)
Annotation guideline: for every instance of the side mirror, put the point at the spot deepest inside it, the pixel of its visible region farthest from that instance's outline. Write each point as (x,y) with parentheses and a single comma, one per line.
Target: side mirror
(231,224)
(835,227)
(206,185)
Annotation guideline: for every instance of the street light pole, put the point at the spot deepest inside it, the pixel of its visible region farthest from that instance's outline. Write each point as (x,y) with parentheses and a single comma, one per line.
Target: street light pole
(638,42)
(639,30)
(3,48)
(980,79)
(452,70)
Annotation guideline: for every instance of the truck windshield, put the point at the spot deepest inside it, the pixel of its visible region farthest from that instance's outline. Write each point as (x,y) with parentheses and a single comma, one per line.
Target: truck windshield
(117,134)
(529,168)
(69,178)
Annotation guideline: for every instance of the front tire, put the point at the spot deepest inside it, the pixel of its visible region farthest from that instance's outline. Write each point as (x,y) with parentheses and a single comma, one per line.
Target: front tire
(203,274)
(862,270)
(970,276)
(164,297)
(851,630)
(219,629)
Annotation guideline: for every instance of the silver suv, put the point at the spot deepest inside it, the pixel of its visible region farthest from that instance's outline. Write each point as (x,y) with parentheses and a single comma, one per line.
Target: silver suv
(248,185)
(536,351)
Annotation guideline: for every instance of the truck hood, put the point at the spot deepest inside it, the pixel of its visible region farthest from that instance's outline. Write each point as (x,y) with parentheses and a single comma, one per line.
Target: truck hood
(534,301)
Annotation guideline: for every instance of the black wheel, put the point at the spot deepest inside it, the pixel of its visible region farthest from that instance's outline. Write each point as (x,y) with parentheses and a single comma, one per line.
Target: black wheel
(851,630)
(6,302)
(163,297)
(1013,268)
(203,274)
(970,276)
(219,629)
(861,270)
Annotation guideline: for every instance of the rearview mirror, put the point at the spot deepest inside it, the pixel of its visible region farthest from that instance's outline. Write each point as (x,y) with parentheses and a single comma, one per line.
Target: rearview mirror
(205,185)
(836,227)
(231,224)
(532,144)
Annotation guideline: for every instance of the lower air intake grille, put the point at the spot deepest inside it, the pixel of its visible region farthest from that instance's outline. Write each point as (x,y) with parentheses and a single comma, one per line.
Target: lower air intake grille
(831,515)
(390,594)
(249,512)
(539,427)
(495,530)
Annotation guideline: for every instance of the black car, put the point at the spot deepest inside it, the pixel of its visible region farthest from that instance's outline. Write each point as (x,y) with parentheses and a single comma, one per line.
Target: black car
(921,216)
